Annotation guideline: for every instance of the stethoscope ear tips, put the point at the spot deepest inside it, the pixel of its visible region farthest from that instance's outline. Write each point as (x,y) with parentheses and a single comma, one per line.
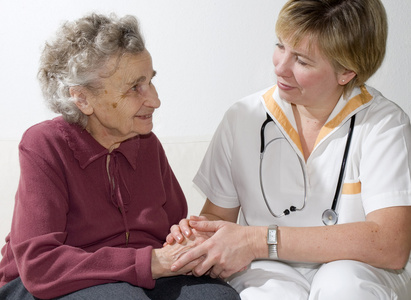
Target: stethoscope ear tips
(293,208)
(286,212)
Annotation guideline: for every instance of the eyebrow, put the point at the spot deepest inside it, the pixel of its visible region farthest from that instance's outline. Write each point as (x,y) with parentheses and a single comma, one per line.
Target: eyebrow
(141,79)
(296,52)
(302,55)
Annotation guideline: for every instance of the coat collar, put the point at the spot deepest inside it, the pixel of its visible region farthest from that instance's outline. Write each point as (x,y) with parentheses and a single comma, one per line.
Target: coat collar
(281,111)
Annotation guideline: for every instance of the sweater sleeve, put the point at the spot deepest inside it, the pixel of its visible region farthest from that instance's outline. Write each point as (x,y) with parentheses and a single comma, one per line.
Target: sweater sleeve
(47,266)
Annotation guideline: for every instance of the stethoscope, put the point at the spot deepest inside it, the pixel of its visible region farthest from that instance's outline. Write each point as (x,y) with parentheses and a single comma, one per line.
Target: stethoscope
(330,216)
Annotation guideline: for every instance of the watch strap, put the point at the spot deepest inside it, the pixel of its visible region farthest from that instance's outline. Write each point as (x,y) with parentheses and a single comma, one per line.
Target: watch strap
(272,241)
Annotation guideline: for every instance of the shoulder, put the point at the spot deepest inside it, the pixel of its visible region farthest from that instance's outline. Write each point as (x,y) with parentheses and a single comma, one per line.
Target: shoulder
(49,134)
(42,131)
(382,110)
(150,146)
(150,141)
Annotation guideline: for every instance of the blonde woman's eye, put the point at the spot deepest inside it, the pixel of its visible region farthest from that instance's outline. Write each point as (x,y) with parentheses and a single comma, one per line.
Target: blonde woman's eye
(301,62)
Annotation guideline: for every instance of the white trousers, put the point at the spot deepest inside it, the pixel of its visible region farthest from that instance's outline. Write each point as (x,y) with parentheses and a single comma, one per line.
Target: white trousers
(339,280)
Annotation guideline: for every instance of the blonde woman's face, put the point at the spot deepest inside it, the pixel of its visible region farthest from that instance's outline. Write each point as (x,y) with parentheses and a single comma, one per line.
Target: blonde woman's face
(305,77)
(125,104)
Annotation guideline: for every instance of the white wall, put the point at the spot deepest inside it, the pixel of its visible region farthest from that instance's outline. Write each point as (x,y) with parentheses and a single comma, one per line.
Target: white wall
(208,54)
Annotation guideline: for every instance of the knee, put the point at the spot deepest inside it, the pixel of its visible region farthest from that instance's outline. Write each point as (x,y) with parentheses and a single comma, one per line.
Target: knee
(347,280)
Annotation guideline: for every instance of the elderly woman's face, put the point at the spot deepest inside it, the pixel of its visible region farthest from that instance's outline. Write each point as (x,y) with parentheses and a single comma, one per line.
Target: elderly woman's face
(125,104)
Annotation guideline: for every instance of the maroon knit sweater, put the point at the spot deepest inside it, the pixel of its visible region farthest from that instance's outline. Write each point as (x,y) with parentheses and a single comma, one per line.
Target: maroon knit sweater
(74,209)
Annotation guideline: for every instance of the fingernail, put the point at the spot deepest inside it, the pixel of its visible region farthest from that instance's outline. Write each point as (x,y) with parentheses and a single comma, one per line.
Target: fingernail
(186,233)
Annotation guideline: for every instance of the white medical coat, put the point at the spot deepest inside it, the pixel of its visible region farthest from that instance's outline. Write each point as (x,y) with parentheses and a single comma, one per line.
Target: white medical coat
(378,169)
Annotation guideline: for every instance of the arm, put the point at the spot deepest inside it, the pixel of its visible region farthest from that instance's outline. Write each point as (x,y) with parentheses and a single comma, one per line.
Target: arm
(48,266)
(214,212)
(53,258)
(383,240)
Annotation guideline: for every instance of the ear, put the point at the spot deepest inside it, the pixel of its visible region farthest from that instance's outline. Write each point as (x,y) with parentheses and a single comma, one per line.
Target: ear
(79,96)
(346,76)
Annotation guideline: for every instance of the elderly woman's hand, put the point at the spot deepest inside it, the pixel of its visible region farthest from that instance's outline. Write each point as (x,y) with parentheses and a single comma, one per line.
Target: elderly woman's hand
(163,258)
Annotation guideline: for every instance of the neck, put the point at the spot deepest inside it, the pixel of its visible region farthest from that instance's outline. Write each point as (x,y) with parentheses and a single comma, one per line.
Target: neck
(105,140)
(309,123)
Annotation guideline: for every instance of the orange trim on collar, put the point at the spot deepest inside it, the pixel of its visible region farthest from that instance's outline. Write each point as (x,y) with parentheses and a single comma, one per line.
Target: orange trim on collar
(281,118)
(352,104)
(278,113)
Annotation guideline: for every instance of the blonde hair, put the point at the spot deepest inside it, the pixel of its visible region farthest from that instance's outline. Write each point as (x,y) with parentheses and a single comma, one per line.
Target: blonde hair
(352,34)
(77,53)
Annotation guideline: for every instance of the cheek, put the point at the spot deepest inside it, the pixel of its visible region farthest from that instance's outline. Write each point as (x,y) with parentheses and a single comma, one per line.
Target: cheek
(306,78)
(126,109)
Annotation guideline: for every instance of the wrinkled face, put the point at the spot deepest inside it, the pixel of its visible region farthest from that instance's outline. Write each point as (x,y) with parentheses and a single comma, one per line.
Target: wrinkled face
(306,77)
(125,104)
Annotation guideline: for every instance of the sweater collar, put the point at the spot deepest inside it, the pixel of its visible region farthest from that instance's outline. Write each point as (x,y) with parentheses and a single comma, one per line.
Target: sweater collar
(87,150)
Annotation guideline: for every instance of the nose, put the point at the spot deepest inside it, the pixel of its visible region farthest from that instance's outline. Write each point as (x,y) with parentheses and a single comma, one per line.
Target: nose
(151,99)
(281,61)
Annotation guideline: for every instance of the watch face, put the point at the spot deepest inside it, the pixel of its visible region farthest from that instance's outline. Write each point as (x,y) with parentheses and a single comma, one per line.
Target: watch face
(272,236)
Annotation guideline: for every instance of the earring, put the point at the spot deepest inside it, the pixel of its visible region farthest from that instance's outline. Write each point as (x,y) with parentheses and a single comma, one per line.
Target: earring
(343,81)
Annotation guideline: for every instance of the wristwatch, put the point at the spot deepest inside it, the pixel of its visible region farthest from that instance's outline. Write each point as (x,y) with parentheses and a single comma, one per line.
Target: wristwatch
(272,241)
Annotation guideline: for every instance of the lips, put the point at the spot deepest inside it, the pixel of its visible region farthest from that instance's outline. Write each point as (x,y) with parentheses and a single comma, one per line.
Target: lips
(284,86)
(144,117)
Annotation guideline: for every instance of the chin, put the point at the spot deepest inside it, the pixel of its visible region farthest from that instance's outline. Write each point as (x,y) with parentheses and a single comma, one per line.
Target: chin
(145,131)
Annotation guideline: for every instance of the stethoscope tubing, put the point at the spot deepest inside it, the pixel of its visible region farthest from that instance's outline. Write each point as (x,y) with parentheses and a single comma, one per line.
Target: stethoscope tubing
(330,216)
(343,163)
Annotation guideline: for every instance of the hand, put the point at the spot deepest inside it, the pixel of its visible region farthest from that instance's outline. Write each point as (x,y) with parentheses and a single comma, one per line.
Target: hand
(163,258)
(228,251)
(182,230)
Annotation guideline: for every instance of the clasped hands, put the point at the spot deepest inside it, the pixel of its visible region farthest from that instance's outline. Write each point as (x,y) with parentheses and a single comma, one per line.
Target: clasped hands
(221,248)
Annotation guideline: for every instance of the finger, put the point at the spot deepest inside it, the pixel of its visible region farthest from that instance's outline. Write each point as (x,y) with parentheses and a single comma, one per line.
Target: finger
(187,269)
(211,226)
(169,240)
(188,257)
(205,267)
(215,272)
(198,218)
(185,228)
(202,235)
(174,235)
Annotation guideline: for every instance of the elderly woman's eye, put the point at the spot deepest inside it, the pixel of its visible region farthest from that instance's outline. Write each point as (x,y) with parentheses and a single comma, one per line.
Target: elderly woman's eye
(136,88)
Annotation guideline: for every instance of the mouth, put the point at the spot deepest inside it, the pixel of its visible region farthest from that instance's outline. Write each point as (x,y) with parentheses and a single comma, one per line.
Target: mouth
(283,86)
(144,117)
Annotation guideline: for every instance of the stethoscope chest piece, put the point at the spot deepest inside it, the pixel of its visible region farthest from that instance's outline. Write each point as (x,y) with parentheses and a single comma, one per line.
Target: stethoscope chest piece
(330,217)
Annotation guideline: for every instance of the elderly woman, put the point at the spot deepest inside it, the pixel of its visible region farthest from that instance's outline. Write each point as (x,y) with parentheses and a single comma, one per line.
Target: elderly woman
(97,196)
(320,165)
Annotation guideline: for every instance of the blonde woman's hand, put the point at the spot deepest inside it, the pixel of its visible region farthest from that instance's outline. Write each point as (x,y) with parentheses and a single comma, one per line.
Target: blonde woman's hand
(178,233)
